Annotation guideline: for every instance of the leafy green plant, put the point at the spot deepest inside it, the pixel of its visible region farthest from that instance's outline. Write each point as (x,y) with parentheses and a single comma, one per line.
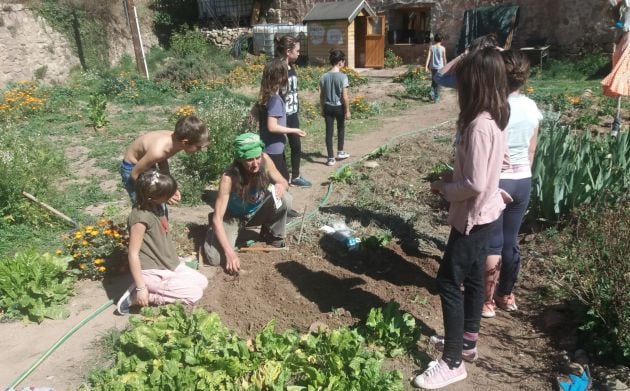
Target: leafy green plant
(343,175)
(392,60)
(571,169)
(593,270)
(379,152)
(168,348)
(437,170)
(97,114)
(374,242)
(391,329)
(35,286)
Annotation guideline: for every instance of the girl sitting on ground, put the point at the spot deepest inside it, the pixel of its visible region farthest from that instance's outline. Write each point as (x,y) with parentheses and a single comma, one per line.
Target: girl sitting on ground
(158,275)
(246,199)
(476,202)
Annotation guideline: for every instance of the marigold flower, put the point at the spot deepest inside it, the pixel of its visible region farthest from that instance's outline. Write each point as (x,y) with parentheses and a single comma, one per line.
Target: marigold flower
(98,261)
(58,252)
(102,269)
(94,233)
(84,242)
(78,235)
(82,266)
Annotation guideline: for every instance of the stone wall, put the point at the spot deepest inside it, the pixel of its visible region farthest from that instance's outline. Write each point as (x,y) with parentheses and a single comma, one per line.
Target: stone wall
(224,37)
(29,46)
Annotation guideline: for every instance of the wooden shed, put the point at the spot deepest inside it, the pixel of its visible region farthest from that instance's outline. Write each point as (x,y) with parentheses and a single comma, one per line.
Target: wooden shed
(351,26)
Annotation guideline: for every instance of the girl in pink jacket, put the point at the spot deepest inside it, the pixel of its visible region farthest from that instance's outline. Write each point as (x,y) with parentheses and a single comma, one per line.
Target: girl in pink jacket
(476,203)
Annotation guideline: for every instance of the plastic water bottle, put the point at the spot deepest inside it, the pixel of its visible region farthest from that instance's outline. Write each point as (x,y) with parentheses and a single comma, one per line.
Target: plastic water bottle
(347,239)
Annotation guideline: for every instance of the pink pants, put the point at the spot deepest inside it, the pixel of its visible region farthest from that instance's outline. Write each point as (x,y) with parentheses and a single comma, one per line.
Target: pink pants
(167,286)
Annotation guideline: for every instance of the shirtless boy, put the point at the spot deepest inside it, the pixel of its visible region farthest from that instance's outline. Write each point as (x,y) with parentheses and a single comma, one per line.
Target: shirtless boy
(154,148)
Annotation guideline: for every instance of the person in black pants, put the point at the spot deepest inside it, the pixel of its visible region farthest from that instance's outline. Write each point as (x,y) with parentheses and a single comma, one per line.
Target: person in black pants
(333,95)
(288,49)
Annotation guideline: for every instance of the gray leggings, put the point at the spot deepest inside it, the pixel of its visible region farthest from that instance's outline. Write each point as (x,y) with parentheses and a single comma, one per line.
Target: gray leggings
(267,216)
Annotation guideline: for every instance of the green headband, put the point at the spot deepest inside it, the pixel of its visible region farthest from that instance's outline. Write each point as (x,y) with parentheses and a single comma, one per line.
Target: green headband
(247,146)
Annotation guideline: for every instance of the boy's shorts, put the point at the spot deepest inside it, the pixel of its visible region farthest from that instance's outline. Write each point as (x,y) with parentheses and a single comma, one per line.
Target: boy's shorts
(128,182)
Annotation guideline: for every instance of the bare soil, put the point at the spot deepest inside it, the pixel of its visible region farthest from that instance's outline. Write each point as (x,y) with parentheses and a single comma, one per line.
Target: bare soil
(310,283)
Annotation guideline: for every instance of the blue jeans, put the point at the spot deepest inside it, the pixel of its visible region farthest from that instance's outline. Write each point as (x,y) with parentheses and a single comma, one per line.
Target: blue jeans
(435,87)
(128,183)
(504,239)
(463,264)
(444,80)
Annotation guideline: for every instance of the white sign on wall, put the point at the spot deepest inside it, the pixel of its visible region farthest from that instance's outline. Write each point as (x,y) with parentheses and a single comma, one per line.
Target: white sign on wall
(316,33)
(334,36)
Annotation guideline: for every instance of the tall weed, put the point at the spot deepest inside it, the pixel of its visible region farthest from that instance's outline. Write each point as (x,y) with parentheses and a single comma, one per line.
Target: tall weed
(26,164)
(574,168)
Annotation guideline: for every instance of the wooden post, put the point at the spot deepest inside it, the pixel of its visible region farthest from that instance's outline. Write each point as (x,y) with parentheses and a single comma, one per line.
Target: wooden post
(132,18)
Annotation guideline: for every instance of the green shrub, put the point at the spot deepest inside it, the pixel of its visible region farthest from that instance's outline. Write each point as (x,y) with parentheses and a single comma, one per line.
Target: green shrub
(35,286)
(225,115)
(172,15)
(594,270)
(167,348)
(391,59)
(574,168)
(189,43)
(26,164)
(417,83)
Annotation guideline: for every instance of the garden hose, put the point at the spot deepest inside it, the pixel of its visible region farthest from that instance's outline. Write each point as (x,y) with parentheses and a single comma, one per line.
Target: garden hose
(59,342)
(289,226)
(293,224)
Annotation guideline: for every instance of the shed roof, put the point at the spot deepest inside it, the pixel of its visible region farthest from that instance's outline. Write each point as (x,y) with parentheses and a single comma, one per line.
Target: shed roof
(338,10)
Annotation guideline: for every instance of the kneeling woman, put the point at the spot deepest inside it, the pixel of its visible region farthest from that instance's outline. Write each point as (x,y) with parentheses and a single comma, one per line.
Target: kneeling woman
(245,199)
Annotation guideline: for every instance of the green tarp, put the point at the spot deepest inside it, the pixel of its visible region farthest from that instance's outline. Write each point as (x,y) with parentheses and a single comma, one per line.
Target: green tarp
(500,20)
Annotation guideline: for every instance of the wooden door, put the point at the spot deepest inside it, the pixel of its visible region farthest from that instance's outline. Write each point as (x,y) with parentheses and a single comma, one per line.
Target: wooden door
(375,42)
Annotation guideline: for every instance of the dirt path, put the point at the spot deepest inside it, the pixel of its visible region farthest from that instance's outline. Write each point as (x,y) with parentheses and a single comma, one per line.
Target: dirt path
(296,289)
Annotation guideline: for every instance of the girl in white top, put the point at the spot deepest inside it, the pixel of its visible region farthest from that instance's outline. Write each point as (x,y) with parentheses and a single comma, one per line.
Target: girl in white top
(522,133)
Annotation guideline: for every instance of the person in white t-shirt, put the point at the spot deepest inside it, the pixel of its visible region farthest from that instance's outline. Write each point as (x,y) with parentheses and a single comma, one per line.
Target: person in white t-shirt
(503,264)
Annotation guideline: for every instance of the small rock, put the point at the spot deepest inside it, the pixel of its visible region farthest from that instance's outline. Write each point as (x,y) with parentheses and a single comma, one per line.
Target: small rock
(370,164)
(529,237)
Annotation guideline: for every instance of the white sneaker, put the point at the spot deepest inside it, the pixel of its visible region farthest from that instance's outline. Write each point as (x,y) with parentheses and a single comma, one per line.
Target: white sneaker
(125,301)
(330,161)
(342,155)
(439,375)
